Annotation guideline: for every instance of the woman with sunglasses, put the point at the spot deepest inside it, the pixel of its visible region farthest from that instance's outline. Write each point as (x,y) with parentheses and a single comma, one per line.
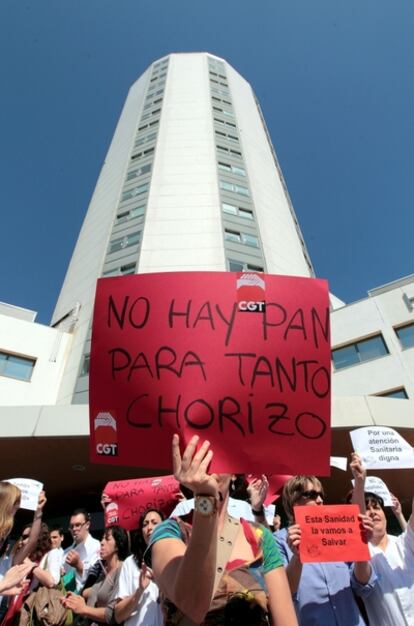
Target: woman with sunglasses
(322,592)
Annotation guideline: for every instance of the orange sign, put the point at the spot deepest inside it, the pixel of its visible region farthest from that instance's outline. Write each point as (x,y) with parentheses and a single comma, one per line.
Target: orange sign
(331,533)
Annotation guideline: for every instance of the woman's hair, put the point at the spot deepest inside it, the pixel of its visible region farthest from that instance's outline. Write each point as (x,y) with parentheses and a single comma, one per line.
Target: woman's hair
(43,543)
(294,488)
(9,496)
(138,545)
(121,539)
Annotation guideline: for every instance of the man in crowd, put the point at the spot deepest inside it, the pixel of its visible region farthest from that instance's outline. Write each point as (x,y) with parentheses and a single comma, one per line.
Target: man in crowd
(84,551)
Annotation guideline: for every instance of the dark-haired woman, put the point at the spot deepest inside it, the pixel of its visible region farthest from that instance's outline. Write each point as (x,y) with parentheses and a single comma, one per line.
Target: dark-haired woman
(97,602)
(137,603)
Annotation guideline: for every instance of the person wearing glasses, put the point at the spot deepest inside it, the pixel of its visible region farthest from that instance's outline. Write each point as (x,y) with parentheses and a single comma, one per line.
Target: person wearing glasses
(84,552)
(322,592)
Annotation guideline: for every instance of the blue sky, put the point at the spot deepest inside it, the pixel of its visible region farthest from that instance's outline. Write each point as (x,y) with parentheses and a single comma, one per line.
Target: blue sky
(334,79)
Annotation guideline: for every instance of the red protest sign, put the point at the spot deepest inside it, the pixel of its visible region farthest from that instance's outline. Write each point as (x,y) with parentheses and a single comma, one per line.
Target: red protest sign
(182,352)
(330,533)
(129,499)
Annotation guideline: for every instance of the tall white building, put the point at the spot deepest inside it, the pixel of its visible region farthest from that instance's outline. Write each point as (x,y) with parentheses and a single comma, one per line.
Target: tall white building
(190,182)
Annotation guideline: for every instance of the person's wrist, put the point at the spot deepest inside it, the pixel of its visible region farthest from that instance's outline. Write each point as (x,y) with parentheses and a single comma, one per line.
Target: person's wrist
(258,510)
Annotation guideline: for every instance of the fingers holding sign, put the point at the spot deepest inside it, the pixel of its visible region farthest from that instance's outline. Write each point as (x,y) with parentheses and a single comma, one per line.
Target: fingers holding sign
(190,469)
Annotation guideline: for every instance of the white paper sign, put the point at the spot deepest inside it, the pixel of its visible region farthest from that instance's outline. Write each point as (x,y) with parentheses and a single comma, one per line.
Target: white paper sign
(30,491)
(341,462)
(373,484)
(270,510)
(381,447)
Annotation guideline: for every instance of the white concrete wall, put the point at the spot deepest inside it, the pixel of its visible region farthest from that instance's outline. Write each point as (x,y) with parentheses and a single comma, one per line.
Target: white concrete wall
(183,220)
(359,320)
(88,257)
(50,347)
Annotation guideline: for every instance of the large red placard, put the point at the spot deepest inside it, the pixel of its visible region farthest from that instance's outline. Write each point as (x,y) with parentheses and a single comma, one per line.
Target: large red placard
(240,359)
(129,499)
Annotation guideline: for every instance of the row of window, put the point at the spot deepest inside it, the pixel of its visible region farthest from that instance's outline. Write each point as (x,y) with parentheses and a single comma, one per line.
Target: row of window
(136,191)
(14,366)
(233,153)
(123,270)
(238,237)
(124,242)
(232,187)
(226,136)
(238,211)
(139,171)
(223,111)
(371,348)
(143,154)
(232,169)
(239,266)
(125,216)
(224,122)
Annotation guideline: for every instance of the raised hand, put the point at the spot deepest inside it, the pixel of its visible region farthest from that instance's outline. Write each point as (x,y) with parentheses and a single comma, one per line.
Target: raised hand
(190,469)
(257,491)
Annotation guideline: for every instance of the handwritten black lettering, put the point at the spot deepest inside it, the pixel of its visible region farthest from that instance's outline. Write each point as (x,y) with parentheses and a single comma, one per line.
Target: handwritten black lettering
(276,418)
(197,424)
(310,425)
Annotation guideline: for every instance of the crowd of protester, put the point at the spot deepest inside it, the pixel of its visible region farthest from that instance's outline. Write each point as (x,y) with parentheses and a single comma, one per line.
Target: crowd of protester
(214,561)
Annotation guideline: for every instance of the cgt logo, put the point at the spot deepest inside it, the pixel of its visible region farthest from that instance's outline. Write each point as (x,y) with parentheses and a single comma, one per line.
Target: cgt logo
(106,438)
(249,305)
(107,449)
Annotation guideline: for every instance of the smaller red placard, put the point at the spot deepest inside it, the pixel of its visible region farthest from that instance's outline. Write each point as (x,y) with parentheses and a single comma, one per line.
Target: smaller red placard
(331,533)
(129,499)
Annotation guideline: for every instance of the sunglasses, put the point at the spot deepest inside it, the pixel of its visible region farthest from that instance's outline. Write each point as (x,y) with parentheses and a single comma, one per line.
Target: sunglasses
(312,494)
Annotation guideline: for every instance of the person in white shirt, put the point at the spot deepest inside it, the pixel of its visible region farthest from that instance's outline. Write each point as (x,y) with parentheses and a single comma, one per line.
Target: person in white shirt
(391,601)
(84,551)
(137,603)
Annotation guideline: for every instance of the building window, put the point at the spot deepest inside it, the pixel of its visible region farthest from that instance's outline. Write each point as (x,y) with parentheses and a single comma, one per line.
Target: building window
(360,351)
(406,335)
(395,393)
(144,169)
(236,237)
(125,216)
(238,266)
(85,365)
(232,169)
(146,139)
(18,367)
(124,242)
(124,270)
(231,209)
(234,188)
(136,191)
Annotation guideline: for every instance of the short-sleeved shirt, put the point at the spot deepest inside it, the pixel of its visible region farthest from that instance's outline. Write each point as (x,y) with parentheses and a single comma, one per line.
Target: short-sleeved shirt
(148,611)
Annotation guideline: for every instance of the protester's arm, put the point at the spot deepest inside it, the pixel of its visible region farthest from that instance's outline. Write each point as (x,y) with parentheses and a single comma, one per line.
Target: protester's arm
(78,605)
(362,569)
(126,606)
(12,583)
(173,562)
(397,510)
(27,549)
(257,491)
(294,567)
(411,520)
(280,600)
(359,473)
